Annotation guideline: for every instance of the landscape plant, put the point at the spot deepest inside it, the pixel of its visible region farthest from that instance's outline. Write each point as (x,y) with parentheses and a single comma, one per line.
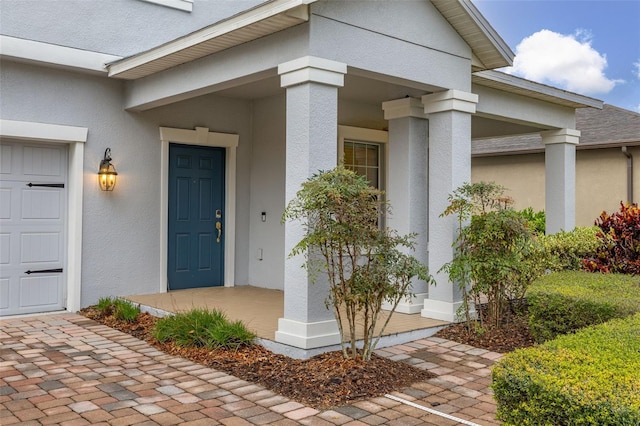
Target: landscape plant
(563,302)
(619,235)
(537,219)
(496,254)
(566,250)
(591,377)
(121,309)
(366,264)
(203,328)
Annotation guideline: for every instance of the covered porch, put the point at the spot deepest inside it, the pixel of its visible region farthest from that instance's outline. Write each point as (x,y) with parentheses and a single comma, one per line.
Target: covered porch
(303,100)
(260,308)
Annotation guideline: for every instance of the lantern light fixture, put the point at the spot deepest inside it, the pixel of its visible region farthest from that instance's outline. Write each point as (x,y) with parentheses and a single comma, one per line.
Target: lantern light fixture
(107,172)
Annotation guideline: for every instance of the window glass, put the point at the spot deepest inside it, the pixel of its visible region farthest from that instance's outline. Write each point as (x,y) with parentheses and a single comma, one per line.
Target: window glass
(364,159)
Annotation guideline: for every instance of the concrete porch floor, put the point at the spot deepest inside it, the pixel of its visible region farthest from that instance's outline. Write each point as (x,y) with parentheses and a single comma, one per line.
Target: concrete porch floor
(260,308)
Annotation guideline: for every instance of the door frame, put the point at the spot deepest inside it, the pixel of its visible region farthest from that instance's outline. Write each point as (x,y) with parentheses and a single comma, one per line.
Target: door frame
(75,138)
(203,137)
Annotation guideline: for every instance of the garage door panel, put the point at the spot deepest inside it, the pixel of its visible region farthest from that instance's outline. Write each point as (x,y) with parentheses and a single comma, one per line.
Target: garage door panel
(4,293)
(42,161)
(40,291)
(32,228)
(41,204)
(5,203)
(6,159)
(38,247)
(5,245)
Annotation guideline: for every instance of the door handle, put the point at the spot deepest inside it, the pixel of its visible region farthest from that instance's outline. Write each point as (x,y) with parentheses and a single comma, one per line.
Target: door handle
(219,228)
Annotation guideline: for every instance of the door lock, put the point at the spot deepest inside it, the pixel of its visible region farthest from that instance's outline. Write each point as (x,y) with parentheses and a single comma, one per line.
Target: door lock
(219,228)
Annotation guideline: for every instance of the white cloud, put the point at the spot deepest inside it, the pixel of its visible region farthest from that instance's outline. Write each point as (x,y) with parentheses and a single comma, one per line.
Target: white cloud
(636,70)
(566,61)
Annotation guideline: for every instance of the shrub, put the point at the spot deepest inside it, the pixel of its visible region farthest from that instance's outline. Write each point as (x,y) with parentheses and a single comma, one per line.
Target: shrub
(365,264)
(537,220)
(563,302)
(121,309)
(566,250)
(203,328)
(588,378)
(495,254)
(620,242)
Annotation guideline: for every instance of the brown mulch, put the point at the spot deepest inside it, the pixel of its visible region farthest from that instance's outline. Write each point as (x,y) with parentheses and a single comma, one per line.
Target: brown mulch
(512,335)
(322,382)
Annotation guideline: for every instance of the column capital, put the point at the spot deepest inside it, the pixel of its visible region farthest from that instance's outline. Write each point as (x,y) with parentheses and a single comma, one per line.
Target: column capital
(311,69)
(401,108)
(450,100)
(570,136)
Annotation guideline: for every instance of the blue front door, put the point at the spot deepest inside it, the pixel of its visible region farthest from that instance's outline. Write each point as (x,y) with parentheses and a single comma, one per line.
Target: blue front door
(196,217)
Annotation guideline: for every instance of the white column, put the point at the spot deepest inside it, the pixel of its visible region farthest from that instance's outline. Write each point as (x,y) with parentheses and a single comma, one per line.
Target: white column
(449,116)
(407,186)
(312,128)
(560,178)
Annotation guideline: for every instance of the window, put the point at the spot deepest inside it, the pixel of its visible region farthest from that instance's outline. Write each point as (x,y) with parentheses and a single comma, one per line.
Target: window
(363,151)
(364,159)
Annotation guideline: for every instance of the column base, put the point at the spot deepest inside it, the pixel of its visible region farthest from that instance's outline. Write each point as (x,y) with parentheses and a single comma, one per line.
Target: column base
(444,311)
(410,305)
(307,335)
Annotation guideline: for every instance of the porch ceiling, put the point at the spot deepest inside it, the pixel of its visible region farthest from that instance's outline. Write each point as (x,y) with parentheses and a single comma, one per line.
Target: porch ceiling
(356,88)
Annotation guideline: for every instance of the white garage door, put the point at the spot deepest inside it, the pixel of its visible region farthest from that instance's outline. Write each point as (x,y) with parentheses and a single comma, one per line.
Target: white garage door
(32,227)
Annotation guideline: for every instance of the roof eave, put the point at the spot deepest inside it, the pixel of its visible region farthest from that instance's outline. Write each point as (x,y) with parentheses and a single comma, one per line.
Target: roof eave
(486,44)
(262,20)
(521,86)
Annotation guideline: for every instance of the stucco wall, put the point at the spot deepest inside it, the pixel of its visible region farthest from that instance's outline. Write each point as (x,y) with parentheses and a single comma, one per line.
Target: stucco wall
(110,26)
(366,35)
(601,180)
(267,193)
(121,229)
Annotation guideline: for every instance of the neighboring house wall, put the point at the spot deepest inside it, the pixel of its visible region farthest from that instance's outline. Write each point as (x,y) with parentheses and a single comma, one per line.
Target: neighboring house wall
(601,176)
(507,170)
(518,163)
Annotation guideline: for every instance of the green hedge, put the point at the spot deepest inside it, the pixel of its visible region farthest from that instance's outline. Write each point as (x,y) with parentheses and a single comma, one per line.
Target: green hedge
(591,377)
(566,250)
(563,302)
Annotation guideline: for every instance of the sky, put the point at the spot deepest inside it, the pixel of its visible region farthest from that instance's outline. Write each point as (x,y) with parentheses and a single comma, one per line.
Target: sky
(590,47)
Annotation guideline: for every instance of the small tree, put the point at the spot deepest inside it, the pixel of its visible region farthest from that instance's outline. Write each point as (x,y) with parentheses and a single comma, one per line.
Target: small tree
(496,255)
(365,264)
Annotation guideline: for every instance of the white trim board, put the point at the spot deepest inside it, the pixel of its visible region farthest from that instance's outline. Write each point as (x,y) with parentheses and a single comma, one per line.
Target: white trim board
(185,5)
(31,51)
(203,137)
(75,137)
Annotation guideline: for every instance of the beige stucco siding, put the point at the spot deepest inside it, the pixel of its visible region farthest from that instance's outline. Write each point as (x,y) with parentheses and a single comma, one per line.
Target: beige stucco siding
(601,180)
(522,175)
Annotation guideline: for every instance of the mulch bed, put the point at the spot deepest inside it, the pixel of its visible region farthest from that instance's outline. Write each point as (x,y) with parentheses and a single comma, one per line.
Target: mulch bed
(513,334)
(322,382)
(326,380)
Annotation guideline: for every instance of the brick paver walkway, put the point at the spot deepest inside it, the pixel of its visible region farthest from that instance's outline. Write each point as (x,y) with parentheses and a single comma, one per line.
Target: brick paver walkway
(66,369)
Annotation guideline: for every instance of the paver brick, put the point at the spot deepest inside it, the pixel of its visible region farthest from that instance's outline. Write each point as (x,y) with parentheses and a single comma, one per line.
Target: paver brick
(94,374)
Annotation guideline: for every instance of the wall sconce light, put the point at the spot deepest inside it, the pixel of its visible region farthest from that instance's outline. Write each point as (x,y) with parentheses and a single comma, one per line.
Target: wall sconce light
(107,173)
(263,216)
